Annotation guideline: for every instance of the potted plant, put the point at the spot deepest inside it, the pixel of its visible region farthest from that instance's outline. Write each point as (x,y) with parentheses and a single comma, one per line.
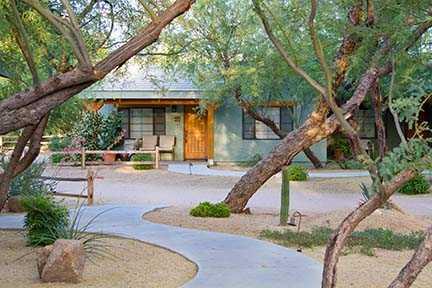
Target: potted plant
(111,134)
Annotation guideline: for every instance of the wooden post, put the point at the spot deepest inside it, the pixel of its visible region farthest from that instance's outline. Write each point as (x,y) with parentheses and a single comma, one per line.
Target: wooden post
(83,157)
(90,187)
(1,143)
(157,157)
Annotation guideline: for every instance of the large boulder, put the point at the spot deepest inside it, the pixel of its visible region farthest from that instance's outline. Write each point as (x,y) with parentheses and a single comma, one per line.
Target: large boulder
(65,262)
(42,257)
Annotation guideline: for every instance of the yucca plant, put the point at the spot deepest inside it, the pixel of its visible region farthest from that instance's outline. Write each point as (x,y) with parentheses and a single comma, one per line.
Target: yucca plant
(47,221)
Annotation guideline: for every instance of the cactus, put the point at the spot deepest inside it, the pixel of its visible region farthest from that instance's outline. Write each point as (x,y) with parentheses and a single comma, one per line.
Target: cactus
(284,209)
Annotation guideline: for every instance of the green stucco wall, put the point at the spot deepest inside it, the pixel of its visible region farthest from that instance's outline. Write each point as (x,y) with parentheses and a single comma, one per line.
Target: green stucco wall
(230,147)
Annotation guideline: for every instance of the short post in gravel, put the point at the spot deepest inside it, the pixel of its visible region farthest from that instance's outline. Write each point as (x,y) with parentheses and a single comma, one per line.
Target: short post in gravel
(291,173)
(284,209)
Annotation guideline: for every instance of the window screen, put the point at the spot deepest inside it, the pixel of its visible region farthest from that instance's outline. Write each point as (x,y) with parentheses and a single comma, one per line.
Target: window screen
(138,122)
(254,129)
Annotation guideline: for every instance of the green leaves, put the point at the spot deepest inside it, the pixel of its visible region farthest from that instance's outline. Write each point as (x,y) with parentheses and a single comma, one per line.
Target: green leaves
(410,156)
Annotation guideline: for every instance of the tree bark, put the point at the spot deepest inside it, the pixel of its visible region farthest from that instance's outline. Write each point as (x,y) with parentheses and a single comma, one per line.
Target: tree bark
(339,237)
(28,107)
(313,130)
(379,123)
(17,162)
(419,260)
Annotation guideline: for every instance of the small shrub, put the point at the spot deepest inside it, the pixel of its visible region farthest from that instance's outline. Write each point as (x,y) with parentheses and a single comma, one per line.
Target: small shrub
(207,209)
(351,164)
(417,185)
(45,219)
(142,157)
(297,173)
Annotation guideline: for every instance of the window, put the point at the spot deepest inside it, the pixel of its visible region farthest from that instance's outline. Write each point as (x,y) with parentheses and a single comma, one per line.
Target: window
(254,129)
(138,122)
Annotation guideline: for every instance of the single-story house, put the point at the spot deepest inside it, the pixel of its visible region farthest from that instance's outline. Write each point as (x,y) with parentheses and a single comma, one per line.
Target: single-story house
(152,103)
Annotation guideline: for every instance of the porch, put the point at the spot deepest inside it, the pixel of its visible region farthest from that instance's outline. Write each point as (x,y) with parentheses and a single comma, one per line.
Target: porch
(193,131)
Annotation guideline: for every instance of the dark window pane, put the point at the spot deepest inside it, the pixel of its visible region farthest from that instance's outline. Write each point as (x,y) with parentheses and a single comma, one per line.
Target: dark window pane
(159,121)
(125,121)
(248,127)
(286,119)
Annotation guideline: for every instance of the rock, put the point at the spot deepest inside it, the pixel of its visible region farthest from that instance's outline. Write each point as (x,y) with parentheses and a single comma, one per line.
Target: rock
(65,263)
(42,257)
(14,204)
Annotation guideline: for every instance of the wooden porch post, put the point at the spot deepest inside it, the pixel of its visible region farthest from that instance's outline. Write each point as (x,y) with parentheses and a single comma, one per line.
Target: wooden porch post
(210,133)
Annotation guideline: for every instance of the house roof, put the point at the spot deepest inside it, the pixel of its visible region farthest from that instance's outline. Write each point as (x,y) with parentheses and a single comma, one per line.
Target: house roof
(133,82)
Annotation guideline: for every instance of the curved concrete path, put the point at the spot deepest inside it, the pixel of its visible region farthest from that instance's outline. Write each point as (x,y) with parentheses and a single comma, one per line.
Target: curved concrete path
(223,260)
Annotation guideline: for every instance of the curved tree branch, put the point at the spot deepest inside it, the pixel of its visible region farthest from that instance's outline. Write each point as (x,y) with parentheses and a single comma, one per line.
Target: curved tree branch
(23,43)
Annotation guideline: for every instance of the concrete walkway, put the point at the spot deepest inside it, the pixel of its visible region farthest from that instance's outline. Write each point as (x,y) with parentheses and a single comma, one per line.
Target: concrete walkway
(223,260)
(203,170)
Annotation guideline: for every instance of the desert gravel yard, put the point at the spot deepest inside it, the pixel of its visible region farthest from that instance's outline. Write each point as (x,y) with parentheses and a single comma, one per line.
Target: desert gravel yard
(124,185)
(355,270)
(135,264)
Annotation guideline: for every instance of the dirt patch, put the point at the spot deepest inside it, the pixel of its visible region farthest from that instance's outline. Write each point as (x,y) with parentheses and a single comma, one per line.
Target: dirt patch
(361,271)
(136,264)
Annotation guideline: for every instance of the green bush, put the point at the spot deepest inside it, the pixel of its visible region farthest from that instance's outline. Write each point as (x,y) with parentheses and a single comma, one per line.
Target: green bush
(207,209)
(417,185)
(297,173)
(142,157)
(28,182)
(45,221)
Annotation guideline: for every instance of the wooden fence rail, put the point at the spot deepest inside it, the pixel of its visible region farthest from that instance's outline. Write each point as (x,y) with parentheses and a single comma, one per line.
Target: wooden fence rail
(90,186)
(8,142)
(84,152)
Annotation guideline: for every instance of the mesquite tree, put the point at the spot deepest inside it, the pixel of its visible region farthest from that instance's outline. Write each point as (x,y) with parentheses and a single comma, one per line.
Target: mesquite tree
(63,47)
(383,43)
(361,61)
(221,46)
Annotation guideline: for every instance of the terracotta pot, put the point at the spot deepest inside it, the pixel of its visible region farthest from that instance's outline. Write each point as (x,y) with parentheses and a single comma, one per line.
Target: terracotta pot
(109,158)
(14,204)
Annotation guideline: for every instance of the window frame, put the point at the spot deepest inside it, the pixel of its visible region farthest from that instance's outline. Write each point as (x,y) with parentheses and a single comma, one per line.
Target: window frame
(244,115)
(128,109)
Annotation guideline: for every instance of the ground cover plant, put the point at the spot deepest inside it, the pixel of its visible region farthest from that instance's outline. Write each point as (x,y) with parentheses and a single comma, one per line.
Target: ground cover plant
(142,157)
(207,209)
(417,185)
(364,241)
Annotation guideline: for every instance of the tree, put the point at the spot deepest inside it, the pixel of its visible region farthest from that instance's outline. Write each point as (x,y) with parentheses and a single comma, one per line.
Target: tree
(65,46)
(383,42)
(226,54)
(355,71)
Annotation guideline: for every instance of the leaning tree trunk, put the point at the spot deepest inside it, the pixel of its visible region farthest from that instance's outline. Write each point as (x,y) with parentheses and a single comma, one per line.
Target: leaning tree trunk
(17,162)
(313,130)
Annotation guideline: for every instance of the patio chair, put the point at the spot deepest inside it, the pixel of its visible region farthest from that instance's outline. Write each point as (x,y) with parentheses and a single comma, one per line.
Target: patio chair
(166,144)
(149,143)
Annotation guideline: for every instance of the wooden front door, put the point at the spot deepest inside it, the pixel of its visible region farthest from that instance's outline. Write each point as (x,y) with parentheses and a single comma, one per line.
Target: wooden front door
(195,135)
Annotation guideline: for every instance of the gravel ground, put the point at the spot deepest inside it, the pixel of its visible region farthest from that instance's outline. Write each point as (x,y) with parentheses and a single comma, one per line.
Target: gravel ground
(355,270)
(136,264)
(124,185)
